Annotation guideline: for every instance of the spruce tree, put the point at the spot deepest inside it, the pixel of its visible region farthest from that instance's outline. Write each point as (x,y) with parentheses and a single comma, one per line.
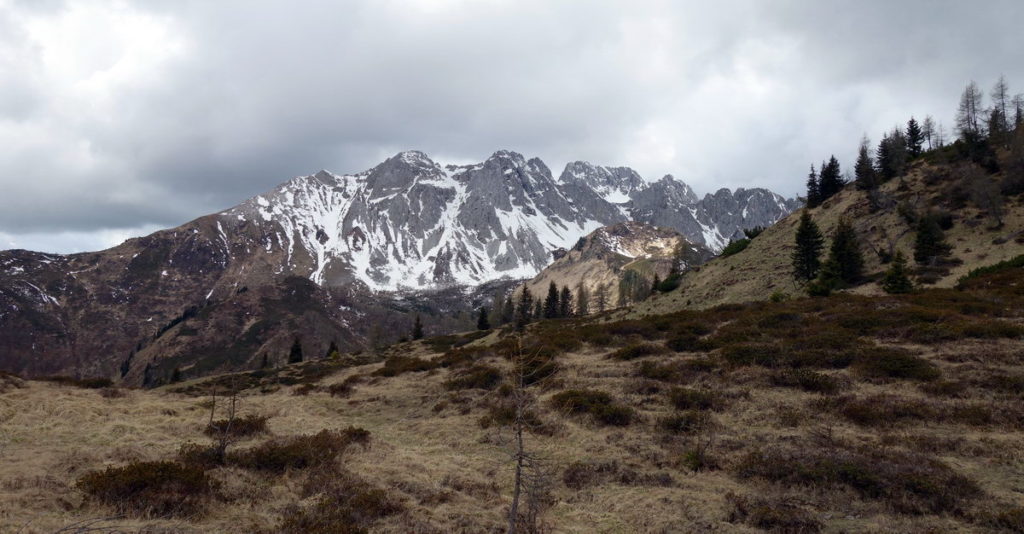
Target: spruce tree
(883,159)
(914,138)
(845,251)
(582,300)
(896,279)
(417,328)
(482,322)
(830,181)
(864,170)
(295,354)
(809,242)
(551,302)
(813,189)
(508,311)
(265,362)
(565,303)
(538,309)
(524,312)
(655,283)
(930,243)
(601,297)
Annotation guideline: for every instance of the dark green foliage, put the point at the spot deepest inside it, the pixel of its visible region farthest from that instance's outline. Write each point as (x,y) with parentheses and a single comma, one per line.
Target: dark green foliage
(551,302)
(633,287)
(687,342)
(597,404)
(895,363)
(865,177)
(565,303)
(914,138)
(896,279)
(524,311)
(806,380)
(298,452)
(670,282)
(638,350)
(930,243)
(845,251)
(831,180)
(249,425)
(477,376)
(152,489)
(694,399)
(417,328)
(910,484)
(809,242)
(751,233)
(397,365)
(1016,262)
(813,189)
(84,383)
(735,247)
(482,321)
(295,354)
(332,351)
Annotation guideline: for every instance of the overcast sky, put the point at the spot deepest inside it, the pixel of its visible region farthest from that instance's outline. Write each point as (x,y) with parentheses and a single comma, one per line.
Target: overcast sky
(119,118)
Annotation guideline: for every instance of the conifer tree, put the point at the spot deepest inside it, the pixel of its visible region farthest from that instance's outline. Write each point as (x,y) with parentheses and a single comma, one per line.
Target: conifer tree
(524,312)
(930,242)
(508,311)
(864,170)
(813,189)
(883,159)
(176,375)
(582,300)
(655,283)
(497,309)
(1000,96)
(845,252)
(332,351)
(1018,111)
(914,138)
(482,322)
(417,328)
(896,279)
(601,297)
(538,309)
(265,362)
(809,242)
(928,130)
(551,302)
(565,303)
(830,181)
(295,354)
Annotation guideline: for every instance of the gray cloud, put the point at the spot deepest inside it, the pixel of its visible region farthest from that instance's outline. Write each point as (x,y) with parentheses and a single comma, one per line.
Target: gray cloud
(117,118)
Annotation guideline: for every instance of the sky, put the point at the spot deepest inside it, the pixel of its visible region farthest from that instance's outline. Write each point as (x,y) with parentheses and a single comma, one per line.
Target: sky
(119,118)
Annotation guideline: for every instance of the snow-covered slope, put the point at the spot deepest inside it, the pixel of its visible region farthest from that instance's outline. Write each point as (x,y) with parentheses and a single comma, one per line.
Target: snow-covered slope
(411,223)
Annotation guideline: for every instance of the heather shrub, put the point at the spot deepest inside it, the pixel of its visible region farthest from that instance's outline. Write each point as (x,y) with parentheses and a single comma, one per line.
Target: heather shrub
(683,422)
(688,342)
(153,489)
(806,380)
(238,427)
(397,365)
(694,399)
(773,514)
(763,354)
(84,383)
(880,410)
(637,350)
(298,452)
(597,404)
(895,363)
(344,504)
(475,377)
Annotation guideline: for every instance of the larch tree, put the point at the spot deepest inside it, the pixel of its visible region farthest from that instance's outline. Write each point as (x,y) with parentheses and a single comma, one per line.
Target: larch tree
(968,114)
(928,130)
(1000,96)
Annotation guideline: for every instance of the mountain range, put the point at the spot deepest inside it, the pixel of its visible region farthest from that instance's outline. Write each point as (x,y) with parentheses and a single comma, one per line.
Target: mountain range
(323,257)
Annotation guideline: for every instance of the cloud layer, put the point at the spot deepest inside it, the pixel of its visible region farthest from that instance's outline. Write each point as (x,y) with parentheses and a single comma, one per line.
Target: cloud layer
(117,118)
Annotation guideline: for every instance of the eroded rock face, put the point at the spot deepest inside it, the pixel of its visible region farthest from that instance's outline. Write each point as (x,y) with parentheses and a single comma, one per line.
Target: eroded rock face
(323,257)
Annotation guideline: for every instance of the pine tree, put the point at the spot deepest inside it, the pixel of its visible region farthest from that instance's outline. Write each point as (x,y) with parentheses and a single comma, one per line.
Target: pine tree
(914,138)
(551,302)
(846,252)
(813,189)
(830,181)
(809,242)
(1018,111)
(655,283)
(582,300)
(896,279)
(864,170)
(930,243)
(295,354)
(417,327)
(565,302)
(482,322)
(508,311)
(883,159)
(524,312)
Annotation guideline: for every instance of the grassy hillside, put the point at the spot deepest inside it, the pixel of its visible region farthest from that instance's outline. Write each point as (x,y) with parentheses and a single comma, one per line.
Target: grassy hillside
(850,413)
(764,267)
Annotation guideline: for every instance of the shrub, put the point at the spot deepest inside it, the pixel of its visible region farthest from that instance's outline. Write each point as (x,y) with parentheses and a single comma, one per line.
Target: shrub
(159,489)
(84,383)
(763,354)
(688,343)
(298,452)
(911,484)
(681,422)
(773,514)
(895,363)
(638,350)
(107,393)
(345,387)
(679,371)
(694,399)
(735,247)
(345,505)
(806,380)
(397,365)
(597,404)
(249,425)
(478,377)
(878,410)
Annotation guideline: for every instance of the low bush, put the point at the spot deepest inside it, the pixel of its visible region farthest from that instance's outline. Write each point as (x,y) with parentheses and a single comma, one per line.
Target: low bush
(880,410)
(763,354)
(298,452)
(911,484)
(682,422)
(688,342)
(85,383)
(735,247)
(637,350)
(773,514)
(889,362)
(344,504)
(397,365)
(475,377)
(597,404)
(345,387)
(239,427)
(694,399)
(151,489)
(806,380)
(678,371)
